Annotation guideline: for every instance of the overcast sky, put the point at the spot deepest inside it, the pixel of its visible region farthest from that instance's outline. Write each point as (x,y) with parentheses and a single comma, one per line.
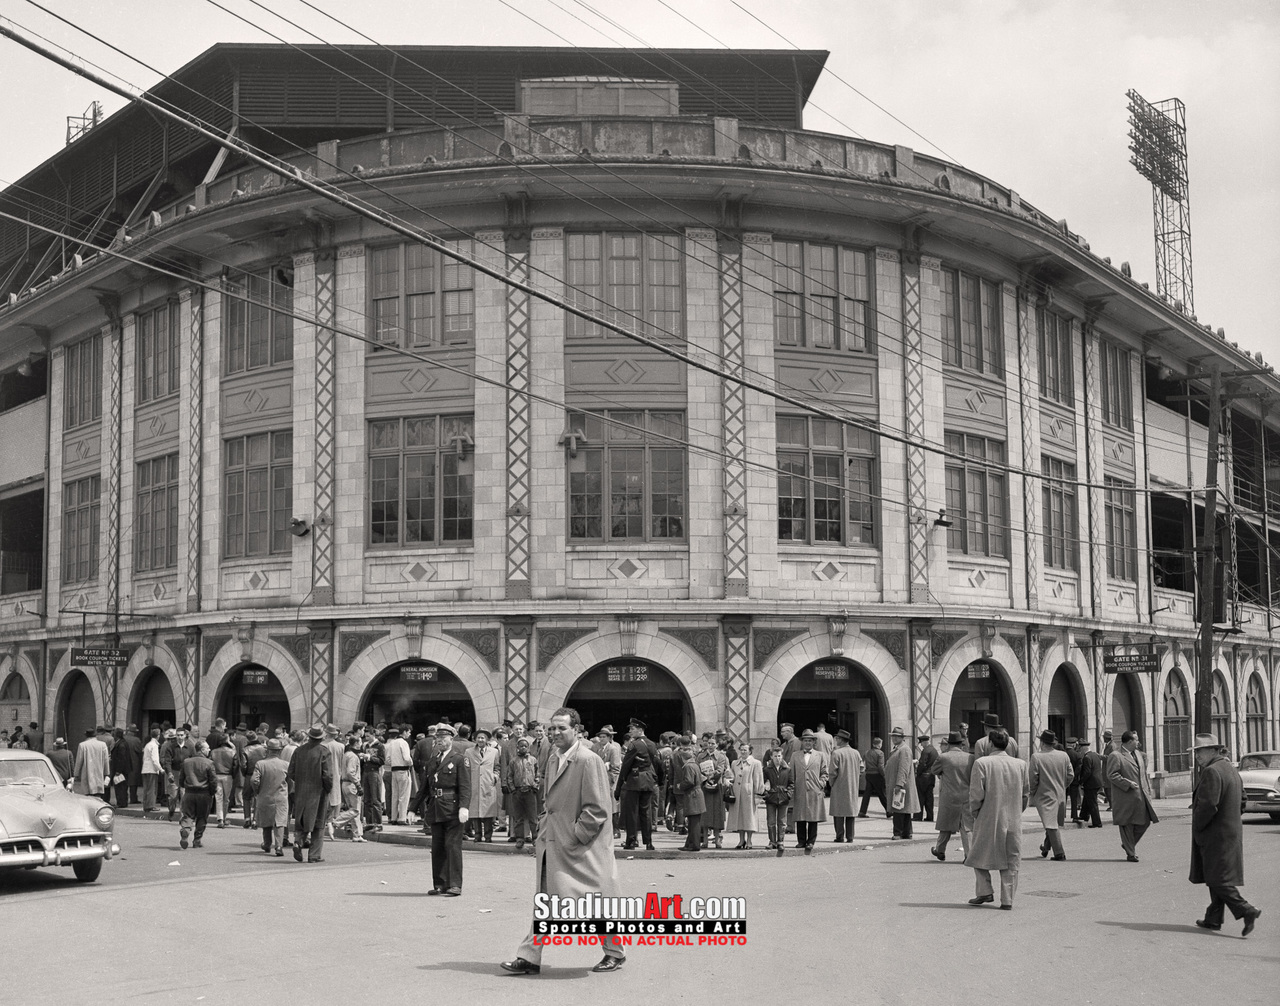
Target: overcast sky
(1030,93)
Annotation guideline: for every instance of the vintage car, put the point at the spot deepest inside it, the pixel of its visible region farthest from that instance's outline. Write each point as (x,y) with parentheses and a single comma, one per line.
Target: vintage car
(1260,776)
(41,824)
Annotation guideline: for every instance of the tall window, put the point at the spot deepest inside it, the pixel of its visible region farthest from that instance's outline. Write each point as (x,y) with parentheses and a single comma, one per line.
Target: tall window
(1056,380)
(971,333)
(84,382)
(626,476)
(1116,385)
(80,513)
(257,321)
(821,296)
(1220,712)
(1122,535)
(258,494)
(1177,725)
(826,482)
(421,298)
(633,280)
(977,496)
(156,514)
(1060,526)
(1255,715)
(421,478)
(156,334)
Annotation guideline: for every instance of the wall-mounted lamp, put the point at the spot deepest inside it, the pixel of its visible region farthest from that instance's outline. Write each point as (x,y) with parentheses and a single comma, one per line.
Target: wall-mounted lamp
(298,527)
(942,519)
(26,367)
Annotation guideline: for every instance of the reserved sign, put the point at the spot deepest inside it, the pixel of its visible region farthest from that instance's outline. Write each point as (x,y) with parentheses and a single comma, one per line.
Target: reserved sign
(831,672)
(627,673)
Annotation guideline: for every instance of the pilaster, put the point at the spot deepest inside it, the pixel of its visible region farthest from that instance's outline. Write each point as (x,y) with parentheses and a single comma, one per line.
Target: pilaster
(704,517)
(734,425)
(519,453)
(548,488)
(761,431)
(109,568)
(306,406)
(736,630)
(517,667)
(349,465)
(922,676)
(913,383)
(126,519)
(890,376)
(190,441)
(326,436)
(1094,475)
(210,428)
(321,671)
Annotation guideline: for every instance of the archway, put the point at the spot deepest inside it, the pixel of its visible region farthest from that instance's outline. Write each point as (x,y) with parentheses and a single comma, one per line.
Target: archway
(152,701)
(1177,724)
(77,709)
(839,694)
(983,688)
(1255,715)
(15,703)
(616,690)
(1126,708)
(1220,711)
(252,694)
(420,693)
(1067,716)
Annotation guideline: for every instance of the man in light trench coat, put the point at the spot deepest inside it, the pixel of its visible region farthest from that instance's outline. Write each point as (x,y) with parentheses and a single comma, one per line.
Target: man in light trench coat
(846,767)
(810,771)
(953,798)
(1050,776)
(573,854)
(998,789)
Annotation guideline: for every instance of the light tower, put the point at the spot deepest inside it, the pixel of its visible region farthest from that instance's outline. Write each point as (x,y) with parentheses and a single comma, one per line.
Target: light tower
(1158,143)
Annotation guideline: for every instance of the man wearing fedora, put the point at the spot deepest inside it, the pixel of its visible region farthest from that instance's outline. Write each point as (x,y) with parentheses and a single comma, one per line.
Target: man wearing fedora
(1131,808)
(846,767)
(926,759)
(953,798)
(998,792)
(983,747)
(639,776)
(311,777)
(900,783)
(809,773)
(1050,777)
(1093,772)
(270,783)
(1217,839)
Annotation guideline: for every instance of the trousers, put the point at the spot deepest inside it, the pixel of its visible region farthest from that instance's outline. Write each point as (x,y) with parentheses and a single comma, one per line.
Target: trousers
(1008,884)
(1130,836)
(875,787)
(1053,840)
(1227,896)
(693,822)
(635,814)
(446,855)
(524,814)
(945,836)
(371,781)
(844,828)
(531,946)
(149,792)
(315,846)
(1089,808)
(924,786)
(399,809)
(806,833)
(902,825)
(222,799)
(195,813)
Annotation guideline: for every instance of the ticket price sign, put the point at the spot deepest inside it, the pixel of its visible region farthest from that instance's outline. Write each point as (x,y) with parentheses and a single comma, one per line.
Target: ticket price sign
(1130,663)
(979,670)
(253,677)
(419,673)
(99,656)
(831,672)
(627,674)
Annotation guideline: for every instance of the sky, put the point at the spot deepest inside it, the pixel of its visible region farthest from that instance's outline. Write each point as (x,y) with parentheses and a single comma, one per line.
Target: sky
(1030,93)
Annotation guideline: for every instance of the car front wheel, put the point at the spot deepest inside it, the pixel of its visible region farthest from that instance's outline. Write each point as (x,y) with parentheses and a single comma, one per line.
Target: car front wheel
(87,870)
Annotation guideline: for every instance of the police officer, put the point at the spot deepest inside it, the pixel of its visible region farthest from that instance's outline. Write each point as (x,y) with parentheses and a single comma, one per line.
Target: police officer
(639,778)
(450,796)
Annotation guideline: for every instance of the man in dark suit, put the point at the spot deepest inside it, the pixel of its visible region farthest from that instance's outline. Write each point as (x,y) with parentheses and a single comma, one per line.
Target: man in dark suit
(1073,791)
(1131,809)
(1092,779)
(1217,839)
(639,777)
(450,782)
(925,776)
(311,775)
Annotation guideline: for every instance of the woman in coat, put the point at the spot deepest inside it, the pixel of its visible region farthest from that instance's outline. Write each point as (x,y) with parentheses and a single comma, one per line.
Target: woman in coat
(714,766)
(777,794)
(486,786)
(687,786)
(748,786)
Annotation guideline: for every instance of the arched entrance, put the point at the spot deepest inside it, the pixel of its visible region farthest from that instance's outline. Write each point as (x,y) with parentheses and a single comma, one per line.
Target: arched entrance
(252,694)
(152,701)
(1066,716)
(1126,707)
(77,711)
(839,694)
(15,703)
(613,692)
(418,692)
(981,689)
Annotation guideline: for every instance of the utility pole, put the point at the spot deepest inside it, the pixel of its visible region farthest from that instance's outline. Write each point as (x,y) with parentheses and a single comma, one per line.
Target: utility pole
(1208,556)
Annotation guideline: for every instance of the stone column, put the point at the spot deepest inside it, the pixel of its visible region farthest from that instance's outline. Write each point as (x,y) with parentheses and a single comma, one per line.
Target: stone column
(1097,554)
(519,452)
(922,676)
(704,342)
(112,354)
(321,672)
(1035,682)
(191,674)
(517,667)
(913,372)
(190,440)
(210,432)
(349,502)
(1027,408)
(895,524)
(736,630)
(548,486)
(326,441)
(734,425)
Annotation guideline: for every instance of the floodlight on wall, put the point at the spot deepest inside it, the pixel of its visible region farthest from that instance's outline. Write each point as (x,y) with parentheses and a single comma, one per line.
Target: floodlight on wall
(26,367)
(298,527)
(942,519)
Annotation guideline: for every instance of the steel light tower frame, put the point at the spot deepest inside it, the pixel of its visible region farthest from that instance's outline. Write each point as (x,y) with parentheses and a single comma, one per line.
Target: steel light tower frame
(1158,144)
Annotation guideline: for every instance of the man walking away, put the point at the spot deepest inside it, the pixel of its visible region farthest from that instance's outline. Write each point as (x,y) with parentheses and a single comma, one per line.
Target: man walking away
(61,759)
(270,783)
(150,771)
(1093,774)
(639,775)
(1131,808)
(846,767)
(1050,776)
(998,791)
(199,783)
(953,798)
(224,765)
(1073,790)
(875,779)
(925,776)
(93,765)
(311,774)
(1217,839)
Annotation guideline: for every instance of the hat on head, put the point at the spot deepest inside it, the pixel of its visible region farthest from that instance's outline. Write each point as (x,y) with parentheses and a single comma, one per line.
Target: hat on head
(791,725)
(522,742)
(808,735)
(720,732)
(446,728)
(393,731)
(59,742)
(1049,737)
(897,732)
(1071,740)
(923,737)
(954,738)
(606,729)
(170,733)
(1205,741)
(332,729)
(275,744)
(481,733)
(990,721)
(637,723)
(242,725)
(252,738)
(843,735)
(1107,732)
(316,733)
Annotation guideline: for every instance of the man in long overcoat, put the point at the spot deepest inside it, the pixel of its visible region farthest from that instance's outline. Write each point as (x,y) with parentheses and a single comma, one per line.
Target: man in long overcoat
(573,854)
(900,780)
(92,771)
(998,791)
(926,759)
(809,774)
(1050,777)
(953,796)
(1217,840)
(270,783)
(1093,776)
(687,785)
(846,767)
(311,775)
(1131,808)
(1076,756)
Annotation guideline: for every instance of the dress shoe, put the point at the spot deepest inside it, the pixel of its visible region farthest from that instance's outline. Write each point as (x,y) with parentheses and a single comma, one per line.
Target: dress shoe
(452,892)
(1006,908)
(520,966)
(512,838)
(780,849)
(649,848)
(1059,859)
(520,844)
(1213,927)
(982,899)
(808,850)
(1044,852)
(435,891)
(279,852)
(685,848)
(318,859)
(1249,920)
(196,844)
(183,841)
(629,846)
(941,857)
(297,853)
(608,963)
(1132,859)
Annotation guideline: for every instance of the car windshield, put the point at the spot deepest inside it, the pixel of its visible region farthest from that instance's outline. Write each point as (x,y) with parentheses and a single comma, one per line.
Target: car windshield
(1257,761)
(26,772)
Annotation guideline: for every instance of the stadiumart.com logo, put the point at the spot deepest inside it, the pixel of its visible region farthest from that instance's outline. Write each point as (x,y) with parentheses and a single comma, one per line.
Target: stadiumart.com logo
(595,914)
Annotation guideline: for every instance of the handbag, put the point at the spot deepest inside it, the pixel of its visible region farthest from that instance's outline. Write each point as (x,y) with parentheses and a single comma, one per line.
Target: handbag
(729,795)
(899,798)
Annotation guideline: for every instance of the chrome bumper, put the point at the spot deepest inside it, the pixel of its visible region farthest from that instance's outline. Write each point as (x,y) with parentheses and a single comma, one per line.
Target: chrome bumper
(63,853)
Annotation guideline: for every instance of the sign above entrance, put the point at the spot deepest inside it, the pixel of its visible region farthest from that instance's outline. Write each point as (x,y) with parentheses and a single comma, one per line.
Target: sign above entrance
(99,656)
(1130,663)
(978,669)
(831,672)
(431,673)
(627,673)
(252,677)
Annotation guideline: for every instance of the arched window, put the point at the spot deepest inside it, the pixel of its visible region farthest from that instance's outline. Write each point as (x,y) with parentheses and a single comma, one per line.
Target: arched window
(1255,716)
(1220,712)
(1177,725)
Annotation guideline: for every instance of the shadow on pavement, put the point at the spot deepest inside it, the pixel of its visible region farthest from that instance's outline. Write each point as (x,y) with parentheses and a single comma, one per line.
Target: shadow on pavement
(1155,927)
(486,968)
(936,904)
(388,894)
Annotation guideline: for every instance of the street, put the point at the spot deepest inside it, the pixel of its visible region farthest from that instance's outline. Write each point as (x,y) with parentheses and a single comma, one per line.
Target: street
(886,924)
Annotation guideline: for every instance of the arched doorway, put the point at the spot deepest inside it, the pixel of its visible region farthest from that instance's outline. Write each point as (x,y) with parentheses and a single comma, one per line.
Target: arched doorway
(77,711)
(421,693)
(252,694)
(1126,707)
(1255,715)
(613,692)
(1220,711)
(839,694)
(15,703)
(1066,716)
(981,689)
(152,701)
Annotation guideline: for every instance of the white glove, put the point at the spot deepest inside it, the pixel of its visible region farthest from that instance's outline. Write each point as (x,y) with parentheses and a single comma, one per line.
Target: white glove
(463,814)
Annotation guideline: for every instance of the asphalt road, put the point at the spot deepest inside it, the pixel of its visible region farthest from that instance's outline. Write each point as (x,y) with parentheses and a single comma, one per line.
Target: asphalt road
(882,925)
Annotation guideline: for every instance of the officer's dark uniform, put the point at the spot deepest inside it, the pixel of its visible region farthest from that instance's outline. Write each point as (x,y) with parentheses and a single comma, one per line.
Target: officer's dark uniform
(450,786)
